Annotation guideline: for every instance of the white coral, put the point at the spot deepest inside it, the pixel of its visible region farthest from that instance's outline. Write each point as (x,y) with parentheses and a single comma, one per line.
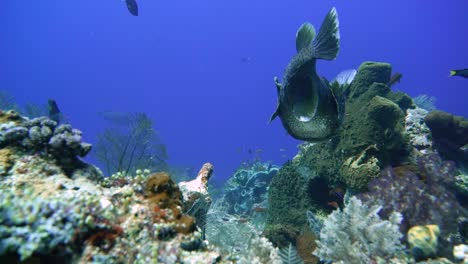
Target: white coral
(357,234)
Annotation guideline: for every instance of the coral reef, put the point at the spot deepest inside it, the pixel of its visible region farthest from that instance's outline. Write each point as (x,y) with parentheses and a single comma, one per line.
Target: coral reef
(372,137)
(460,252)
(130,144)
(423,194)
(230,233)
(43,135)
(289,255)
(245,192)
(423,241)
(417,131)
(196,198)
(260,251)
(51,213)
(358,235)
(449,133)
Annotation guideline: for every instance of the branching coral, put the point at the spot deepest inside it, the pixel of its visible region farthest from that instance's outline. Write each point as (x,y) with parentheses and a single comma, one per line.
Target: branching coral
(358,235)
(130,145)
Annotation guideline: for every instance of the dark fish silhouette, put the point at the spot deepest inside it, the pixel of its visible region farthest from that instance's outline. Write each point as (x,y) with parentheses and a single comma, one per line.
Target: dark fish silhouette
(310,107)
(462,73)
(396,78)
(53,110)
(132,7)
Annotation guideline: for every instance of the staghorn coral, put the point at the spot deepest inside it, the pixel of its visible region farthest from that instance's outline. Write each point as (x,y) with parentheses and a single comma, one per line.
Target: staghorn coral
(358,235)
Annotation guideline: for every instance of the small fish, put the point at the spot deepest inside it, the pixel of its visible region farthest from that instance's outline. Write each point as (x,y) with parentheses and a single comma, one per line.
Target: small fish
(242,220)
(53,110)
(333,204)
(310,107)
(132,7)
(462,73)
(338,192)
(282,150)
(396,78)
(259,209)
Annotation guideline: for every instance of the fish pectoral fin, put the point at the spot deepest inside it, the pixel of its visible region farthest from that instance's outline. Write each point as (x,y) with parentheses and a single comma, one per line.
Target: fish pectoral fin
(277,83)
(274,115)
(345,77)
(304,36)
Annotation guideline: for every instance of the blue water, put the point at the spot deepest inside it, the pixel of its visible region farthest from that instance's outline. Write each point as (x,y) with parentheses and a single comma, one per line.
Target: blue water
(203,70)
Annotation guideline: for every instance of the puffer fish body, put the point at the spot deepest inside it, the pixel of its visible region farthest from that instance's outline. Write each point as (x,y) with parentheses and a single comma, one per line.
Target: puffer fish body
(310,107)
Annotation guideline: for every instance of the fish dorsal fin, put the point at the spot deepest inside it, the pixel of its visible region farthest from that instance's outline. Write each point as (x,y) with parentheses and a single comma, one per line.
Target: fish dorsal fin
(327,43)
(304,36)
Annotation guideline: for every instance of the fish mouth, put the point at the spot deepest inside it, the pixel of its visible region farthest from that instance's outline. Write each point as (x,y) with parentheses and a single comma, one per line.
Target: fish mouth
(304,104)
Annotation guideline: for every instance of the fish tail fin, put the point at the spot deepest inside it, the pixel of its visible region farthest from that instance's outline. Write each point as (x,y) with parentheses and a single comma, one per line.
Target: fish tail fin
(453,73)
(327,42)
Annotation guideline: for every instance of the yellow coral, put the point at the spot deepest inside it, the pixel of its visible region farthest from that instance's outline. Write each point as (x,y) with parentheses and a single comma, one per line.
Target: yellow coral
(6,160)
(423,241)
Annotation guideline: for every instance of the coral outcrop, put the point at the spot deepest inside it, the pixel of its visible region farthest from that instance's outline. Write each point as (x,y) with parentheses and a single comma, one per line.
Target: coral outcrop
(54,208)
(372,137)
(43,135)
(245,192)
(424,195)
(196,198)
(450,134)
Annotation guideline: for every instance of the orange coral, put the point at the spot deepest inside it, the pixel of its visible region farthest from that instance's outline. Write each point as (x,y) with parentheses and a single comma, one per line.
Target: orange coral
(305,243)
(165,197)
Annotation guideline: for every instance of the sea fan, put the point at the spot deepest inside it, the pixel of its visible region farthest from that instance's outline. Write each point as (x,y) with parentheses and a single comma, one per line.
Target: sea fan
(131,145)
